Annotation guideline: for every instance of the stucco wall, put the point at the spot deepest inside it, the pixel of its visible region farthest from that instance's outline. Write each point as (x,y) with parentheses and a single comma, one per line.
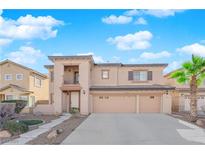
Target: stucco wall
(40,93)
(9,68)
(119,75)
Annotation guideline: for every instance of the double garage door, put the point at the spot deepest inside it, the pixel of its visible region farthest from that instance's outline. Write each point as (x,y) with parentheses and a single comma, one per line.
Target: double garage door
(126,103)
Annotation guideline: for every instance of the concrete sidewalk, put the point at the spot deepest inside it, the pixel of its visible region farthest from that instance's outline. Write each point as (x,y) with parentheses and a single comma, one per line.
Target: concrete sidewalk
(26,137)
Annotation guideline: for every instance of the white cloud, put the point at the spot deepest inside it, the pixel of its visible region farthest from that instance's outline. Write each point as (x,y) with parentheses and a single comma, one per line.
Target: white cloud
(132,13)
(26,55)
(153,12)
(196,49)
(161,13)
(4,41)
(97,59)
(39,21)
(138,40)
(152,55)
(172,66)
(29,27)
(141,21)
(112,19)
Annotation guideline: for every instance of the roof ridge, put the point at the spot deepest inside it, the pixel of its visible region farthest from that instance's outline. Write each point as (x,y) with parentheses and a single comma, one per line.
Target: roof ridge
(25,67)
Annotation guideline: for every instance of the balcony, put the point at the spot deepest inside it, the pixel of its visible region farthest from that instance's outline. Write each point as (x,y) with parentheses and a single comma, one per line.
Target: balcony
(71,79)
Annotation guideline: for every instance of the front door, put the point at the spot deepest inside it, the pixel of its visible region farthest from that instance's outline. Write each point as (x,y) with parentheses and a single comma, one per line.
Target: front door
(75,100)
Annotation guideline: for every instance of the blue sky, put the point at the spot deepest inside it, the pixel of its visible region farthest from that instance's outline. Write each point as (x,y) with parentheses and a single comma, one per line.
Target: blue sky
(127,36)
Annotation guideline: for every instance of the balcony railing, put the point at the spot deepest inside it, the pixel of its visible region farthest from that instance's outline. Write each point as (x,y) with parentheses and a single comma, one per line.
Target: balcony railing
(71,82)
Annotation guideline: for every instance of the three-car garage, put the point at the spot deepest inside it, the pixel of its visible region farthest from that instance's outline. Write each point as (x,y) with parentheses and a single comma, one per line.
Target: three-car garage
(131,99)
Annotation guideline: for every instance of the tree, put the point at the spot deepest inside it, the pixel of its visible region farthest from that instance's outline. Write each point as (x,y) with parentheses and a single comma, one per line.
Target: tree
(192,72)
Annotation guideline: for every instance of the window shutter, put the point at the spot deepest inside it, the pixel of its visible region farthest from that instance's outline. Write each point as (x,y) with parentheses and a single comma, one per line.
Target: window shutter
(149,75)
(130,75)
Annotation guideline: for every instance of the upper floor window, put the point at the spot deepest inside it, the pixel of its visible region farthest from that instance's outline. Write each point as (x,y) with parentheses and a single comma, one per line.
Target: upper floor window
(7,77)
(76,77)
(105,74)
(19,76)
(37,82)
(140,75)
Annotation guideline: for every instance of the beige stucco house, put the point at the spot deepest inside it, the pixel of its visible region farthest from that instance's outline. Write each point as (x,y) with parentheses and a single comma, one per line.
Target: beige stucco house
(20,82)
(78,82)
(181,95)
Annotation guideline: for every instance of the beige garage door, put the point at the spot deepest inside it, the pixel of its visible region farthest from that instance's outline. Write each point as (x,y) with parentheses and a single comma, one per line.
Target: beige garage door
(112,103)
(149,103)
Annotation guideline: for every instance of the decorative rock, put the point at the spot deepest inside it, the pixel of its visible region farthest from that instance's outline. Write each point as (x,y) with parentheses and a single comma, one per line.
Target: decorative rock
(52,134)
(5,134)
(200,122)
(59,131)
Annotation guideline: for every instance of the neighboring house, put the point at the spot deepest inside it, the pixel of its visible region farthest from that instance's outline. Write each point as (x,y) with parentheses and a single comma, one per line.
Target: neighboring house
(77,82)
(20,82)
(181,95)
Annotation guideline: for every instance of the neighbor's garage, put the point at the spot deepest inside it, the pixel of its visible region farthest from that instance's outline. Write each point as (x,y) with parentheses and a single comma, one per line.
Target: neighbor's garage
(126,103)
(185,104)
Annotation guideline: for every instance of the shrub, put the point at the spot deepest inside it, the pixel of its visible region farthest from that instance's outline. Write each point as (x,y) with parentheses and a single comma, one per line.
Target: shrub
(7,110)
(20,104)
(74,110)
(31,122)
(15,127)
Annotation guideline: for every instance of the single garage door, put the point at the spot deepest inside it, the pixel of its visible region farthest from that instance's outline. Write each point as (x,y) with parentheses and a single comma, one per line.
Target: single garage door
(114,103)
(149,103)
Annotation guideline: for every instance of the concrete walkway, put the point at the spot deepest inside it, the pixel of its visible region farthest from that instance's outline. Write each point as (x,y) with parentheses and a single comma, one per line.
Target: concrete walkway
(26,137)
(134,129)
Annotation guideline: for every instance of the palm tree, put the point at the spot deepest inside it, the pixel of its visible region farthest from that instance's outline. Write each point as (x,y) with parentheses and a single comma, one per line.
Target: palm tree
(192,72)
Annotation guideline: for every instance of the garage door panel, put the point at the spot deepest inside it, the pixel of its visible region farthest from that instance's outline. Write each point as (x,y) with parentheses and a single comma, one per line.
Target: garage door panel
(114,104)
(150,104)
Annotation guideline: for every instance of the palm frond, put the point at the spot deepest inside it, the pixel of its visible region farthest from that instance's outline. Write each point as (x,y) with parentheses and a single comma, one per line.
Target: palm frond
(182,80)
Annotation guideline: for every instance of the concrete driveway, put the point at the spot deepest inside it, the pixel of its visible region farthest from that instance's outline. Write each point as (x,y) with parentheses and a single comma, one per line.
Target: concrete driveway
(135,129)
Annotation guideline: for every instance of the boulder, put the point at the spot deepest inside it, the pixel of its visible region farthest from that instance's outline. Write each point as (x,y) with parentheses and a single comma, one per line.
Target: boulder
(200,122)
(59,131)
(52,134)
(5,134)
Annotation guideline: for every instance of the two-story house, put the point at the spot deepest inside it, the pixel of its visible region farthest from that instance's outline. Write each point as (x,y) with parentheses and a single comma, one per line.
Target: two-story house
(78,82)
(20,82)
(181,95)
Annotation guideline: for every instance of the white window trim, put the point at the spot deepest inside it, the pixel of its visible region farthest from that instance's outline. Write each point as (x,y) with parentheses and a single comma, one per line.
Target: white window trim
(19,74)
(6,78)
(38,86)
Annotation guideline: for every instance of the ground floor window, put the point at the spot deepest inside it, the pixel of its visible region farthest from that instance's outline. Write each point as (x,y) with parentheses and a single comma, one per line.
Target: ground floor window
(9,97)
(25,98)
